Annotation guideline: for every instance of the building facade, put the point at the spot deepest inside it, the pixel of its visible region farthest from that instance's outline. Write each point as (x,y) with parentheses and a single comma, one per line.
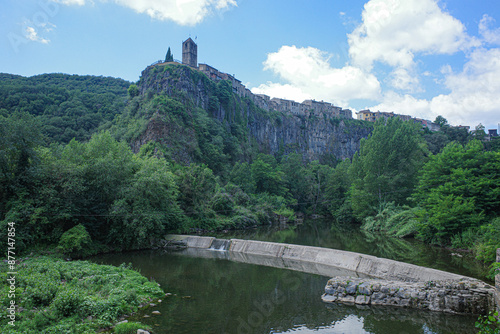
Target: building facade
(190,53)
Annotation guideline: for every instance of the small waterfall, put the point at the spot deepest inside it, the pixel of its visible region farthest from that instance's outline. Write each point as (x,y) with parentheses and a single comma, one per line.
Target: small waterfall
(220,245)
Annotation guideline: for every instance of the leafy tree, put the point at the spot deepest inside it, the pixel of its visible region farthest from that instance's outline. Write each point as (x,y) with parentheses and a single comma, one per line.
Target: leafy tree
(458,189)
(133,91)
(441,121)
(19,137)
(479,132)
(197,186)
(76,242)
(337,199)
(385,168)
(146,207)
(268,176)
(169,57)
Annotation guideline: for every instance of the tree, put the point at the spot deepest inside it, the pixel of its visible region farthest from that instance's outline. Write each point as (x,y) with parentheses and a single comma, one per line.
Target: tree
(133,91)
(268,176)
(146,207)
(479,132)
(441,121)
(385,168)
(337,189)
(458,189)
(169,57)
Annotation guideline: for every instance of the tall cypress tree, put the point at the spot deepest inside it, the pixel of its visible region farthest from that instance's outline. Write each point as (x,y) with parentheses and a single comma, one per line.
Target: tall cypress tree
(169,57)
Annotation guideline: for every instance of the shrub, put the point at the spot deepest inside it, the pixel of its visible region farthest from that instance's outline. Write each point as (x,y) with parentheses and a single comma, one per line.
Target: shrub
(130,327)
(67,301)
(76,242)
(489,241)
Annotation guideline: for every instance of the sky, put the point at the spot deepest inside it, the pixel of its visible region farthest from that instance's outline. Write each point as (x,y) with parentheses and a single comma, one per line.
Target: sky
(422,58)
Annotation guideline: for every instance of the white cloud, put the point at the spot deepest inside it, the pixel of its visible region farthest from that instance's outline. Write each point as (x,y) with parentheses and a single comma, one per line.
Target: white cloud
(474,92)
(392,32)
(309,74)
(491,36)
(31,34)
(70,2)
(473,96)
(405,105)
(183,12)
(283,91)
(404,79)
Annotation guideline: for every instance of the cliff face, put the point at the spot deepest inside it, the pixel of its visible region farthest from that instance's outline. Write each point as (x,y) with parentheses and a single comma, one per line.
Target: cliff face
(317,136)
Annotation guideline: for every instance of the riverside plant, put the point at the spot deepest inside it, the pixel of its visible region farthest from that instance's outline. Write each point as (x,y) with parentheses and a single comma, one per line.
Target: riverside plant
(57,296)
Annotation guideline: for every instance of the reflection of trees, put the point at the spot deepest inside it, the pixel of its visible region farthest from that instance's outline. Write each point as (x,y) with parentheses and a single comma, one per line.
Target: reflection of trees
(225,295)
(351,238)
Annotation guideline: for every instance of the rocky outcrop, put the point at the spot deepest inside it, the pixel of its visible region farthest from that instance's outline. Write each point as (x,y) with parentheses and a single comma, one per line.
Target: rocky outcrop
(317,136)
(466,296)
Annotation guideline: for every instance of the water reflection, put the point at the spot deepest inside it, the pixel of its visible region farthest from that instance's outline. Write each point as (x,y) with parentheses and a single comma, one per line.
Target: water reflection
(350,238)
(215,295)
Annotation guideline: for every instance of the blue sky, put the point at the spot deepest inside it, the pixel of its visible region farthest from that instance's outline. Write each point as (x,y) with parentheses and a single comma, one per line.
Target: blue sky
(418,57)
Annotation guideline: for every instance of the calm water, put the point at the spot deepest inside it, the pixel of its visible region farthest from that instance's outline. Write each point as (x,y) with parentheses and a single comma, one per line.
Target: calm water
(214,295)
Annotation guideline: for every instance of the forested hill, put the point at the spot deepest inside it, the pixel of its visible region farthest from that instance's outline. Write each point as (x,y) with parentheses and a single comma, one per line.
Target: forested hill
(68,106)
(177,151)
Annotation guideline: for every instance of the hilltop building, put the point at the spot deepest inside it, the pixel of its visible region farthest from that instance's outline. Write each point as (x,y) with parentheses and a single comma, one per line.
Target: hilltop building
(190,53)
(372,116)
(304,109)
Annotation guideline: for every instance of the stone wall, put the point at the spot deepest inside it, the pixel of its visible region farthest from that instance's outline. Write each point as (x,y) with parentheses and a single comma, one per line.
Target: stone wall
(466,296)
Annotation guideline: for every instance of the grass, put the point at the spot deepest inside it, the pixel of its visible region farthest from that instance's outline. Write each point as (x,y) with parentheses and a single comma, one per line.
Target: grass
(55,296)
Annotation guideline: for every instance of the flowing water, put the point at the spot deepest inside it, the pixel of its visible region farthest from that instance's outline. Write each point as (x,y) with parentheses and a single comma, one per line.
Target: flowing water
(211,294)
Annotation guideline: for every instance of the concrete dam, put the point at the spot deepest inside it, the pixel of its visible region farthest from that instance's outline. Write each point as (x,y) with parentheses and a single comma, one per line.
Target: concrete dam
(357,278)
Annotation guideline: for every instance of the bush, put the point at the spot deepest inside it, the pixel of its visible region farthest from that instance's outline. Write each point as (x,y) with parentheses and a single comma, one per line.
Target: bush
(67,301)
(56,295)
(489,238)
(76,242)
(130,327)
(399,221)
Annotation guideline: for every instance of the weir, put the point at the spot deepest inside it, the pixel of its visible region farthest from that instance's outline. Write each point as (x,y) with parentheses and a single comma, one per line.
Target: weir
(424,288)
(220,245)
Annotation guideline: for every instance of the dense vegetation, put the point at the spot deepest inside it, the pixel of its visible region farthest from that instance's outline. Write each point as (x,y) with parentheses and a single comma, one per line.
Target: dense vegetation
(108,188)
(55,296)
(68,106)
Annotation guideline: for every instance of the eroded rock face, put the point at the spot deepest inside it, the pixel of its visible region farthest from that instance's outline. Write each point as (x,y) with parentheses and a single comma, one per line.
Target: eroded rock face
(316,136)
(467,296)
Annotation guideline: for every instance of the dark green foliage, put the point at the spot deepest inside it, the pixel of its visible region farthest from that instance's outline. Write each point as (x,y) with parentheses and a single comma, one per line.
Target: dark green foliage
(458,190)
(488,241)
(385,169)
(55,295)
(68,106)
(338,185)
(267,176)
(393,220)
(169,57)
(121,199)
(75,242)
(488,324)
(133,91)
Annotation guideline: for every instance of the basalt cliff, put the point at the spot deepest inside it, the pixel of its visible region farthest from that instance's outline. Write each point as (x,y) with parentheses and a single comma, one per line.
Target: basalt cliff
(315,135)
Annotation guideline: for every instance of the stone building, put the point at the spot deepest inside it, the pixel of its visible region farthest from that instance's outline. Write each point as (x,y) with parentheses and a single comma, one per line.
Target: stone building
(190,53)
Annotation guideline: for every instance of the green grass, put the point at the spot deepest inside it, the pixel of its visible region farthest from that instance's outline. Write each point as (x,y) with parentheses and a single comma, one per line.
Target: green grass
(55,296)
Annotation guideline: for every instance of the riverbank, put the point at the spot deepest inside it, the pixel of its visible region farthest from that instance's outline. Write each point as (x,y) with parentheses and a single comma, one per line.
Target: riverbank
(52,295)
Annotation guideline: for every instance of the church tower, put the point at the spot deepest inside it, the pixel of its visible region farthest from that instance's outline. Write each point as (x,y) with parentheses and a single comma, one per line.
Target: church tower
(190,53)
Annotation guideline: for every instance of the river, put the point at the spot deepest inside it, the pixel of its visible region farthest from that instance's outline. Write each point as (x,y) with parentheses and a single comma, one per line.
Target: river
(214,295)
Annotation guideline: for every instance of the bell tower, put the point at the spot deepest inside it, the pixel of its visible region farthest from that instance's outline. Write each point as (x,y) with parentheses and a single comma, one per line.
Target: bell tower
(190,53)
